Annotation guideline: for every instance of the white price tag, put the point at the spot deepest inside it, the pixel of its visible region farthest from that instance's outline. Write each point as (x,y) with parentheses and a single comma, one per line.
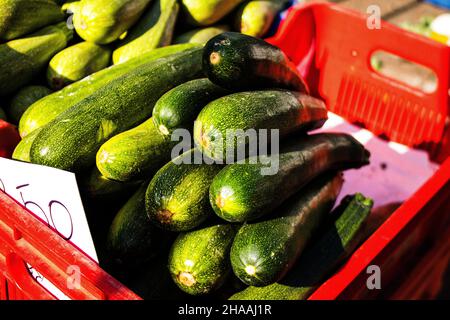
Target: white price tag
(53,196)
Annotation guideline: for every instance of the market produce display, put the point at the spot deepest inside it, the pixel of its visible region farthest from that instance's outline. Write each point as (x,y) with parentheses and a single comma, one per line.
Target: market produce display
(190,218)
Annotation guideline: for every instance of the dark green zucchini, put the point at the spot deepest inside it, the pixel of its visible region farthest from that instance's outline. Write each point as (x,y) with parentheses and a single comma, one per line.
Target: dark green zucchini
(245,191)
(22,59)
(320,259)
(263,252)
(71,141)
(23,99)
(96,186)
(131,236)
(20,17)
(283,110)
(199,261)
(177,196)
(237,61)
(134,154)
(179,107)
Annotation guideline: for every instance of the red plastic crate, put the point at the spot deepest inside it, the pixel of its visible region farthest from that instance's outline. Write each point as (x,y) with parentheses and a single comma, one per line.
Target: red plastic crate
(332,47)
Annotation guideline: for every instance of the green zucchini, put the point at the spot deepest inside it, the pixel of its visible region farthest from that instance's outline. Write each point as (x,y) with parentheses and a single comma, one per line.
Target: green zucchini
(199,261)
(180,106)
(47,109)
(22,150)
(134,154)
(254,110)
(131,235)
(153,282)
(207,12)
(103,22)
(177,196)
(238,62)
(319,259)
(254,18)
(155,29)
(75,63)
(23,99)
(20,17)
(71,141)
(96,186)
(263,252)
(23,59)
(201,36)
(244,191)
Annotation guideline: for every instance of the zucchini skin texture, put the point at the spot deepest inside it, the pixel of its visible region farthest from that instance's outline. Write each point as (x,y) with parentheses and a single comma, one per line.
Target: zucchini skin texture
(239,62)
(254,18)
(177,196)
(201,36)
(179,107)
(23,99)
(71,141)
(20,17)
(320,259)
(134,154)
(263,252)
(199,260)
(23,59)
(242,192)
(154,30)
(207,12)
(279,109)
(75,63)
(131,235)
(48,108)
(103,22)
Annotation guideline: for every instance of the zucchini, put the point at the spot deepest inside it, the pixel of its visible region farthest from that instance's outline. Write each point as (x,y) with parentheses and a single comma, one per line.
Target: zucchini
(177,196)
(155,29)
(47,109)
(75,63)
(103,22)
(20,17)
(244,191)
(207,12)
(254,110)
(71,141)
(153,282)
(320,259)
(23,99)
(263,252)
(238,62)
(180,106)
(131,236)
(254,18)
(98,187)
(22,150)
(201,36)
(199,260)
(134,154)
(23,59)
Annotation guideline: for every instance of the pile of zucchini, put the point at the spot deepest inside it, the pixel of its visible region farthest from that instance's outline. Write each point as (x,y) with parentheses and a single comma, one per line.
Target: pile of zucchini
(186,216)
(54,43)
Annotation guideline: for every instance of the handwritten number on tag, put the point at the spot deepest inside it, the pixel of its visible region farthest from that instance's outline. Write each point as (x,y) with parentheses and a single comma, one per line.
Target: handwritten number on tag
(52,208)
(58,217)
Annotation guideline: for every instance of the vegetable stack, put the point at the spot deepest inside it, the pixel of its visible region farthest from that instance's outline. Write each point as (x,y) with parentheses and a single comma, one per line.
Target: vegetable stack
(205,145)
